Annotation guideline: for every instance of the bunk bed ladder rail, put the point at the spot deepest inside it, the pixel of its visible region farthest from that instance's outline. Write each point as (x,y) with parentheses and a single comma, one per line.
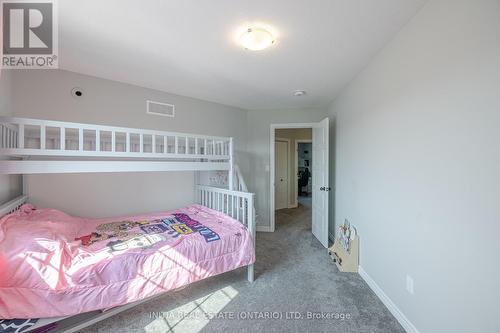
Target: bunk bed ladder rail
(240,185)
(239,182)
(238,205)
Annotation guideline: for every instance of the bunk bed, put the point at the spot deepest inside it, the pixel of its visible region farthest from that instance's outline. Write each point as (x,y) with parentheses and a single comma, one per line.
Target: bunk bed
(214,235)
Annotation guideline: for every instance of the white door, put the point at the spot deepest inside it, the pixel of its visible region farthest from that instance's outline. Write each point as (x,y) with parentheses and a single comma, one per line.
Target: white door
(281,175)
(320,187)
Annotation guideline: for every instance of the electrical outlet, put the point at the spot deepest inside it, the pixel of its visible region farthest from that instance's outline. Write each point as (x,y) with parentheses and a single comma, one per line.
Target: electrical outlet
(409,284)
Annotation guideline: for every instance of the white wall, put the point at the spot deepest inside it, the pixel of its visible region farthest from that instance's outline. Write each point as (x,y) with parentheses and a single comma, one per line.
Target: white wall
(5,92)
(46,94)
(418,166)
(259,129)
(10,186)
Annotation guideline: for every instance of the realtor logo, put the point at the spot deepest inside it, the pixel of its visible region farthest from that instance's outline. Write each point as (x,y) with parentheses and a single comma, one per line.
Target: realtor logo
(29,34)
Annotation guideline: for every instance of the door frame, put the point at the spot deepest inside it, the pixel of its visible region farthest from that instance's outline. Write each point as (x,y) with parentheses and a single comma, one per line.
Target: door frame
(288,142)
(296,202)
(272,139)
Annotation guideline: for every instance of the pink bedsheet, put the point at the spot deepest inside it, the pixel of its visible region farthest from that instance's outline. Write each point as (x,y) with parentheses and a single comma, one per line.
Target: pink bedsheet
(53,264)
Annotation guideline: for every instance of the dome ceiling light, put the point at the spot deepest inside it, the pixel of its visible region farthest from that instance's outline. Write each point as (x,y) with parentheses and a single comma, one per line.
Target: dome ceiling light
(256,39)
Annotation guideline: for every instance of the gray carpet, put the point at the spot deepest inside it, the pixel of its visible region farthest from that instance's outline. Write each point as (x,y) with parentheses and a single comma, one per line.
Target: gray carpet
(294,275)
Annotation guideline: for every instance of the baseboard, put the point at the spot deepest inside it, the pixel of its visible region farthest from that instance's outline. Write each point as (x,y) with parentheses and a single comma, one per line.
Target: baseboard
(263,228)
(401,318)
(295,205)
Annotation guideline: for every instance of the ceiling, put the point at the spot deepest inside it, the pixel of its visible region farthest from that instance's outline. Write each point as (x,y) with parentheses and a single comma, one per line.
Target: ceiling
(188,47)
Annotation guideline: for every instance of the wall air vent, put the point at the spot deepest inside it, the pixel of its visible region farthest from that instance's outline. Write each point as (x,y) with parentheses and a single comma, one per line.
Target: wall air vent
(160,109)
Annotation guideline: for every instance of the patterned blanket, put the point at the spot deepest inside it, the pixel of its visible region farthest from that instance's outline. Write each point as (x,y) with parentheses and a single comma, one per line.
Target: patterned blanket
(16,325)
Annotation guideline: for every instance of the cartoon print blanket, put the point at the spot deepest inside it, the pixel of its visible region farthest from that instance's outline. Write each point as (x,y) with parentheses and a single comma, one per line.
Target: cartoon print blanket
(53,264)
(125,235)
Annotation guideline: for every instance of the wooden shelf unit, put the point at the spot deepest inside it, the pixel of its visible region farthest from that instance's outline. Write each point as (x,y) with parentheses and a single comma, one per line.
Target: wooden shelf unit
(346,261)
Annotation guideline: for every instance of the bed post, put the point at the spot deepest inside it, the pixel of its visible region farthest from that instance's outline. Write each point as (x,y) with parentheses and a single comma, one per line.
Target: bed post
(231,165)
(24,182)
(251,229)
(250,273)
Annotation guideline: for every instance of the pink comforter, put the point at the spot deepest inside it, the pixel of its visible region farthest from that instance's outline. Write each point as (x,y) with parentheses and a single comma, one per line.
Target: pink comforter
(53,264)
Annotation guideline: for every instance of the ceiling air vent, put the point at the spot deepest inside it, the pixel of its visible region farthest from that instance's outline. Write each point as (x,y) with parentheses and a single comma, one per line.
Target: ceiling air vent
(160,109)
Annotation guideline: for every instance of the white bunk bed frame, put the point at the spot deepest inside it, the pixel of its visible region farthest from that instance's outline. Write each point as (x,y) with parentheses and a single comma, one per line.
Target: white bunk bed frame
(33,146)
(97,148)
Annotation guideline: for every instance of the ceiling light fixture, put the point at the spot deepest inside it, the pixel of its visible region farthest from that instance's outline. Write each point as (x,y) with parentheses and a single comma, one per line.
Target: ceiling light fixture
(256,39)
(299,93)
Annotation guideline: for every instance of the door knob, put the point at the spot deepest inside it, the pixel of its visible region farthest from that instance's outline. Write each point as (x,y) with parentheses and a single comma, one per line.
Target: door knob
(322,188)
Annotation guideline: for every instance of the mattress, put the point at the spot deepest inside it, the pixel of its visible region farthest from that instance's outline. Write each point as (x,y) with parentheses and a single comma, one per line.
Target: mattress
(53,264)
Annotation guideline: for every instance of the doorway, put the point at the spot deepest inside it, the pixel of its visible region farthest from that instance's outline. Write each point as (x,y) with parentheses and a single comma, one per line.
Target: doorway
(282,187)
(303,167)
(319,187)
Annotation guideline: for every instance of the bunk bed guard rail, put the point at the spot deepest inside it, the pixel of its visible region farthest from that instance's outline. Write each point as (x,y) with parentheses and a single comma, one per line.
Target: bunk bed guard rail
(9,136)
(238,205)
(32,137)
